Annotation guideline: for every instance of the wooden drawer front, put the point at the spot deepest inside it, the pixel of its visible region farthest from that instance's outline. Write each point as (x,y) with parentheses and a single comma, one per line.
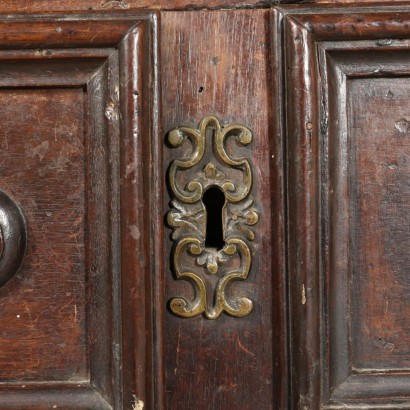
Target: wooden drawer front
(348,131)
(63,156)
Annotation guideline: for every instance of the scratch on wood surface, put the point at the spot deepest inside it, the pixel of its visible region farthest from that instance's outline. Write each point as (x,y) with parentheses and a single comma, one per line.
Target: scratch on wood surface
(243,348)
(228,387)
(303,295)
(386,305)
(177,360)
(68,303)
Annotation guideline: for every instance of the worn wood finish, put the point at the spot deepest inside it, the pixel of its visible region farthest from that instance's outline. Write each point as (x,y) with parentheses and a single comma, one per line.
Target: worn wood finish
(347,121)
(27,309)
(38,6)
(86,323)
(64,156)
(222,68)
(141,220)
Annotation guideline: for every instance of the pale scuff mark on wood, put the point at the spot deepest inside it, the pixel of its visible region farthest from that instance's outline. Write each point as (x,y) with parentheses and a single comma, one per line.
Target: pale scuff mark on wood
(114,4)
(403,126)
(111,111)
(138,404)
(303,295)
(40,150)
(134,232)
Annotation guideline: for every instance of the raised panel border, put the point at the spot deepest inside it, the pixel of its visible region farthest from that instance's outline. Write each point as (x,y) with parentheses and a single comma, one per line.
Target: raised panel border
(318,332)
(114,58)
(345,61)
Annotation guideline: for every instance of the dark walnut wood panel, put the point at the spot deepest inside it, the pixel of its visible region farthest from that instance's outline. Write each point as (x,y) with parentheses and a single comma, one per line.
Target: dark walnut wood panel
(70,164)
(51,283)
(347,82)
(222,68)
(379,171)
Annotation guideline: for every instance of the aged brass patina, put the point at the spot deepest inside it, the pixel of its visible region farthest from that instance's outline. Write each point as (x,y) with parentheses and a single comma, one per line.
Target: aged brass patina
(209,165)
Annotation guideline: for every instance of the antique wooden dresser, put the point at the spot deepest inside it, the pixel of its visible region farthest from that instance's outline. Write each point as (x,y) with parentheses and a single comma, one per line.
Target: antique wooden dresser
(204,205)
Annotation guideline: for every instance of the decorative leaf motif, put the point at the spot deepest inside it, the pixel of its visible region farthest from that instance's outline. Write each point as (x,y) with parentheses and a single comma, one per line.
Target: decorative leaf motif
(212,258)
(186,219)
(241,217)
(212,174)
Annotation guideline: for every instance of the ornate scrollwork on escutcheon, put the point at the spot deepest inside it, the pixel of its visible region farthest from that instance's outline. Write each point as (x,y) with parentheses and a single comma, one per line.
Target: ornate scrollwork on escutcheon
(209,165)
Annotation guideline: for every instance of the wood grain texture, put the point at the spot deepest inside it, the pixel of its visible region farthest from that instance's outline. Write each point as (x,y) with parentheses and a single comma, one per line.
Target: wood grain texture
(43,311)
(141,221)
(85,324)
(52,396)
(61,318)
(41,6)
(346,101)
(221,68)
(380,191)
(302,209)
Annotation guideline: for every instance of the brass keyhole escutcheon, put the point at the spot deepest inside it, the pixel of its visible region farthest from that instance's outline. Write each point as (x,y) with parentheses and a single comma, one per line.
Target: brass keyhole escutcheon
(212,215)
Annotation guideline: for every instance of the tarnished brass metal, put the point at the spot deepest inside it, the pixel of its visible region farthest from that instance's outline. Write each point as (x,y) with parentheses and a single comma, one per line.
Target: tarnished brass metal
(209,269)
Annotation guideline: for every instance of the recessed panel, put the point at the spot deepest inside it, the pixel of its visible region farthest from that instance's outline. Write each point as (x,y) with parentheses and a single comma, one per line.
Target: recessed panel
(347,84)
(75,96)
(42,167)
(379,133)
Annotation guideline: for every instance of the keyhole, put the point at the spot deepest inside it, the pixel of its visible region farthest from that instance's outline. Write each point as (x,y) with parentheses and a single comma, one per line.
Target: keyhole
(214,201)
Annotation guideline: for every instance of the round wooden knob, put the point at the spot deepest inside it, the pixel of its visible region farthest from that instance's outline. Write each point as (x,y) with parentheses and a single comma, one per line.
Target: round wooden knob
(13,237)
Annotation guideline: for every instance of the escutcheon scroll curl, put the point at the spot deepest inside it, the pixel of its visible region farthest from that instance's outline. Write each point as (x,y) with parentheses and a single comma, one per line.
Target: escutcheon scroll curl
(211,269)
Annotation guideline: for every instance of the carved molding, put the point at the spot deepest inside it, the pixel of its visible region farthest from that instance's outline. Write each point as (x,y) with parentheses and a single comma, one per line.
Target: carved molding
(208,165)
